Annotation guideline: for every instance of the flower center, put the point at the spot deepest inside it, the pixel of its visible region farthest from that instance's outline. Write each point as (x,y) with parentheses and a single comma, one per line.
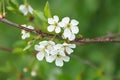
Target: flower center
(68,25)
(58,55)
(56,24)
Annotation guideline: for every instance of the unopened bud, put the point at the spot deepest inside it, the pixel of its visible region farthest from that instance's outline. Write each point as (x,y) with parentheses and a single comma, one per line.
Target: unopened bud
(33,73)
(1,16)
(4,15)
(25,69)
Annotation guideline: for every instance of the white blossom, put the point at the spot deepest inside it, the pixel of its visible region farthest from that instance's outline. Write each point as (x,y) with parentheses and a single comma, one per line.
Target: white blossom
(25,9)
(59,54)
(25,69)
(70,28)
(54,24)
(33,73)
(43,49)
(58,58)
(24,33)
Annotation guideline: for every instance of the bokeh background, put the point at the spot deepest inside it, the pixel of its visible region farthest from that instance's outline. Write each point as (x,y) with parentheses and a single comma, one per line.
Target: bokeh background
(96,17)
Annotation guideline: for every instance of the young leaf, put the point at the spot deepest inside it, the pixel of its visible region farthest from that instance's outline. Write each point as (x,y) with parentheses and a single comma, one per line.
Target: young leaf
(47,10)
(40,15)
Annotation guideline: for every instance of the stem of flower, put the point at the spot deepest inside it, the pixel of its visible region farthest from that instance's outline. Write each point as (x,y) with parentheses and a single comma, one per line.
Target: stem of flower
(3,6)
(25,2)
(53,37)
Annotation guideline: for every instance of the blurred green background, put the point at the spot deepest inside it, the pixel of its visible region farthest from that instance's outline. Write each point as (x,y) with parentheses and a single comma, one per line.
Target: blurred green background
(96,17)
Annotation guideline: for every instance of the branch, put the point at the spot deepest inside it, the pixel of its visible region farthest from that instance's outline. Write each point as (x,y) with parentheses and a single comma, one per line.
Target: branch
(108,38)
(92,65)
(6,49)
(4,20)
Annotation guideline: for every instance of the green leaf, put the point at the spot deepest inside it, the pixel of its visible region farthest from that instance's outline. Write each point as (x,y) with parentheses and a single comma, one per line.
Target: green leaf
(14,3)
(10,8)
(40,15)
(18,50)
(47,10)
(27,47)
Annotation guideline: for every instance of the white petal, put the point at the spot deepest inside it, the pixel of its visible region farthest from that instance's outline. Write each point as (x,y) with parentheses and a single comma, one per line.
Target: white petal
(43,42)
(62,24)
(23,31)
(51,21)
(74,29)
(59,62)
(30,9)
(51,43)
(51,28)
(69,50)
(74,22)
(23,9)
(61,52)
(66,58)
(65,44)
(72,37)
(57,46)
(40,56)
(37,47)
(24,25)
(30,27)
(66,19)
(72,45)
(57,29)
(67,33)
(56,18)
(25,35)
(50,59)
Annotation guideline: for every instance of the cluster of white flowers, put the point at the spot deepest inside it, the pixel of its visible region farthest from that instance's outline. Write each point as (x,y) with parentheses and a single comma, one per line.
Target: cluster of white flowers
(54,52)
(49,49)
(58,52)
(70,27)
(25,9)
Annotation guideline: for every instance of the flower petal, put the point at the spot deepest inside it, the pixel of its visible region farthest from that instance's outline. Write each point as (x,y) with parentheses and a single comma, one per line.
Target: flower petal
(69,50)
(23,9)
(62,24)
(40,56)
(66,20)
(74,22)
(23,32)
(50,59)
(67,33)
(51,21)
(56,18)
(39,47)
(57,46)
(51,43)
(61,52)
(59,62)
(30,9)
(72,37)
(72,45)
(25,35)
(51,28)
(30,27)
(66,58)
(57,29)
(74,29)
(24,25)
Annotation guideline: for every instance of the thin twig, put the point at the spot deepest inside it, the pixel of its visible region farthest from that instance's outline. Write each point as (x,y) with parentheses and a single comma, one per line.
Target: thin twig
(4,20)
(5,49)
(92,65)
(108,38)
(84,61)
